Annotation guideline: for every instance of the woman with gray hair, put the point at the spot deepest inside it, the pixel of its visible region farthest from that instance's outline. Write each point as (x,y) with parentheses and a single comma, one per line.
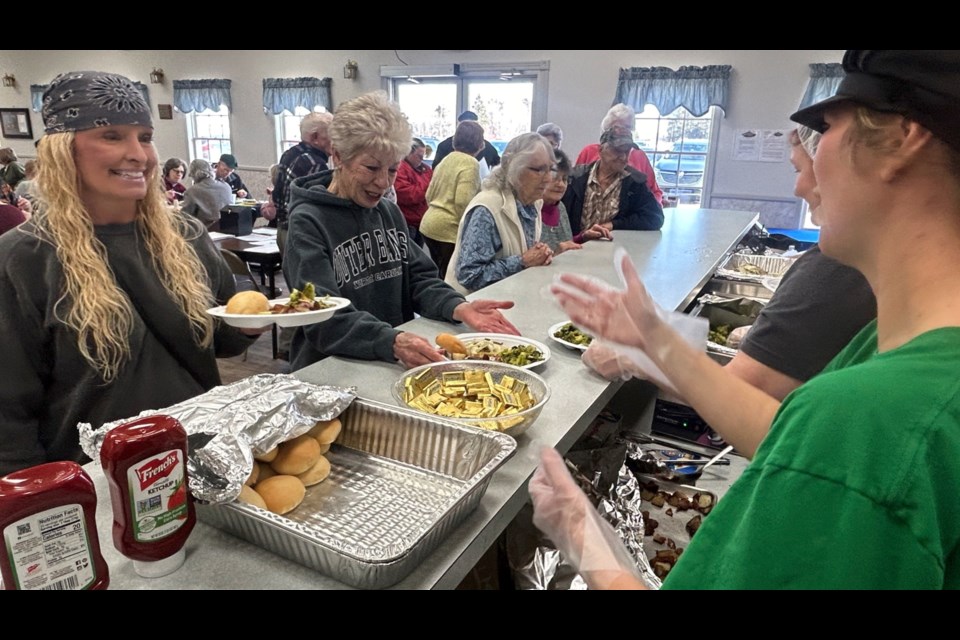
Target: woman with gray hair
(500,232)
(350,242)
(207,196)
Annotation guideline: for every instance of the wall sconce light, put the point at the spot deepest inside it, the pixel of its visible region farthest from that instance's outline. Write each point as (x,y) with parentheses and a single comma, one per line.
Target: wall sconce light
(350,70)
(156,76)
(9,80)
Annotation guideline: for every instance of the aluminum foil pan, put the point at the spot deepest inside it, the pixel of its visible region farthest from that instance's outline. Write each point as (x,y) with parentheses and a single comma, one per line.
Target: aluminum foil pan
(400,482)
(228,425)
(770,266)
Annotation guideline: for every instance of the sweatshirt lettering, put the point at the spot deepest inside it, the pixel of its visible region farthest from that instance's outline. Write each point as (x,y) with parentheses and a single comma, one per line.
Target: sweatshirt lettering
(366,252)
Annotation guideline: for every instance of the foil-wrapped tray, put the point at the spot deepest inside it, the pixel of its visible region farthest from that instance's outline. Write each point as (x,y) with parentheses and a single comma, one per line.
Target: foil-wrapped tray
(771,266)
(400,482)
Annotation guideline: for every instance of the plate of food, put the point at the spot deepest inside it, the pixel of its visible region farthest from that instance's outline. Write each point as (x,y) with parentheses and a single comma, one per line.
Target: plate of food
(252,309)
(570,336)
(495,347)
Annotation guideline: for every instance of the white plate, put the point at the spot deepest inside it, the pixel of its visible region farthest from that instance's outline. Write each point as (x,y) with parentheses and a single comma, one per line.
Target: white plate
(260,320)
(509,341)
(552,330)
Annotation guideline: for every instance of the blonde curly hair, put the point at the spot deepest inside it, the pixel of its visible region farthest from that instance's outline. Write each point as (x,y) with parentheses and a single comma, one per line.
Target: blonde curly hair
(91,302)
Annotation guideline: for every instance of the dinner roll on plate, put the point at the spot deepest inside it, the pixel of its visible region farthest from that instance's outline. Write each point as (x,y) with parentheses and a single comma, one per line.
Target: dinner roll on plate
(248,302)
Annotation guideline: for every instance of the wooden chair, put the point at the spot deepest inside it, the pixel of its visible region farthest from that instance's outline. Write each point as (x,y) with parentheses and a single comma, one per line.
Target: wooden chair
(247,282)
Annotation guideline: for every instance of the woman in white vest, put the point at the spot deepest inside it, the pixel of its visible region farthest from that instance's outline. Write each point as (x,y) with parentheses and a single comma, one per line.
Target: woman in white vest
(499,234)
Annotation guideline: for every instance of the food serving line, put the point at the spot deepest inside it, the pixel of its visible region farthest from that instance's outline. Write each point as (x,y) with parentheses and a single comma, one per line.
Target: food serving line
(674,264)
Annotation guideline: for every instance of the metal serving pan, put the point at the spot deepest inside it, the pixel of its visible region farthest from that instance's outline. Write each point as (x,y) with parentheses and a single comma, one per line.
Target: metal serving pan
(735,312)
(737,289)
(400,482)
(774,266)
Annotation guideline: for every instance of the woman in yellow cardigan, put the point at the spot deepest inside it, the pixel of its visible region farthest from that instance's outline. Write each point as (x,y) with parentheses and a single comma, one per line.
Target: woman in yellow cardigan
(452,187)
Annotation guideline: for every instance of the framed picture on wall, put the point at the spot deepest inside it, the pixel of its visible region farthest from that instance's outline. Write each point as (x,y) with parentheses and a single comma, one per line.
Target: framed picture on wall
(15,123)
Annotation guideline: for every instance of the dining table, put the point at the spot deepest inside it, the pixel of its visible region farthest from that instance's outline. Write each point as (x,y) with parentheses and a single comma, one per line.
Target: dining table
(674,263)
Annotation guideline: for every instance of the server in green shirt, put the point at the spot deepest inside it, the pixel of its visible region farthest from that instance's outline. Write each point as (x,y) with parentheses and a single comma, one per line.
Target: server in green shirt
(854,480)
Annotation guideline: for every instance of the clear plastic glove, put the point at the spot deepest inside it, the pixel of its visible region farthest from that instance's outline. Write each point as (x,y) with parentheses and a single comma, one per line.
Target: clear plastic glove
(628,319)
(735,339)
(564,513)
(609,362)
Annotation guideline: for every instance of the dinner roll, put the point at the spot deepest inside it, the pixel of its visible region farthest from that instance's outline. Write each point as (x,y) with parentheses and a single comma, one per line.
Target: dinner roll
(326,431)
(324,448)
(266,471)
(254,474)
(268,456)
(249,496)
(281,494)
(451,343)
(248,302)
(317,473)
(297,455)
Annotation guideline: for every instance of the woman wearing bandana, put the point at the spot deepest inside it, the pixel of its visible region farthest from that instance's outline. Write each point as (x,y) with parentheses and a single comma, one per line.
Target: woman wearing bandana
(103,292)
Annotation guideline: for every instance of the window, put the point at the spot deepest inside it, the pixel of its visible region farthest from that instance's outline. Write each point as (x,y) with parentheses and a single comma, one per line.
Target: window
(209,133)
(507,100)
(288,128)
(678,146)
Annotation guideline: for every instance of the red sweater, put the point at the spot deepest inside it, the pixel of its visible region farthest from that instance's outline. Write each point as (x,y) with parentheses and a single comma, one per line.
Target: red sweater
(411,186)
(10,216)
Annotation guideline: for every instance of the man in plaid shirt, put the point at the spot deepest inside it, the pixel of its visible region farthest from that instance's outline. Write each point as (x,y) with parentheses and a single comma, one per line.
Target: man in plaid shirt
(309,156)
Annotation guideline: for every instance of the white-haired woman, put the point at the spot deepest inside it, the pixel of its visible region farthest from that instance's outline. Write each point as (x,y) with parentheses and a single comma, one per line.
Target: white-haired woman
(350,242)
(499,234)
(621,119)
(103,293)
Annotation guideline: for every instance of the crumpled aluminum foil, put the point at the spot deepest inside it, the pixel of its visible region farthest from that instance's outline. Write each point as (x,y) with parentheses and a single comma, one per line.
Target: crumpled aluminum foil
(228,425)
(545,568)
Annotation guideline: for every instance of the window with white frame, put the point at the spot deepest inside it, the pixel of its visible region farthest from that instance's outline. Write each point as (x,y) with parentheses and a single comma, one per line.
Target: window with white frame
(678,146)
(288,128)
(209,133)
(508,99)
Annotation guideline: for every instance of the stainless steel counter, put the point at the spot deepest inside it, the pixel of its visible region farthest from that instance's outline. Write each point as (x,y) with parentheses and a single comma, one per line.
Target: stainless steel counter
(674,264)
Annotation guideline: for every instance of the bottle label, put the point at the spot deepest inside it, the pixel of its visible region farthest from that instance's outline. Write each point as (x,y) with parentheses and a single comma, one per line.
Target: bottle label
(50,550)
(158,493)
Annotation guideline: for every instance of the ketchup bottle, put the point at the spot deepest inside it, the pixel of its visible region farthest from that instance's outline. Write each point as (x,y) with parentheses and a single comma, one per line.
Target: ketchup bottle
(49,527)
(146,465)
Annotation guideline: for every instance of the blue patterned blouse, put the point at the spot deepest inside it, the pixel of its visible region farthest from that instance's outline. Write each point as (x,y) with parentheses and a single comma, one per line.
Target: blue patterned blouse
(477,267)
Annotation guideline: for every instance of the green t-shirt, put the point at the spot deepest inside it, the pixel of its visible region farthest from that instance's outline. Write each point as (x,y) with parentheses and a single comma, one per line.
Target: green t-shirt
(856,485)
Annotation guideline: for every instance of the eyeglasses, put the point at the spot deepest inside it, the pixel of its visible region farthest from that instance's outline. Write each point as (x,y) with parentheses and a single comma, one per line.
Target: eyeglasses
(544,170)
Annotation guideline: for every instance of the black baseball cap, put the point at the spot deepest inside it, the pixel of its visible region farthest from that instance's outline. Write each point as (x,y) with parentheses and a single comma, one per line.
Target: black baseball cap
(923,85)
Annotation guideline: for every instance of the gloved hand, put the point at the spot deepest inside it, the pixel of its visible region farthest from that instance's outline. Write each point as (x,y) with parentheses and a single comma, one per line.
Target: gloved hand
(564,513)
(609,362)
(628,320)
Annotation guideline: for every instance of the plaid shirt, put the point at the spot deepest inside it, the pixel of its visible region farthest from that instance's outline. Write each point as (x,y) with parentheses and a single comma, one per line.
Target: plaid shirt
(601,205)
(296,162)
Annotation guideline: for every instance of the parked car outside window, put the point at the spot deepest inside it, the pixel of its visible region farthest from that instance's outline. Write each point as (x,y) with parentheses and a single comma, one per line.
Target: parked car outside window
(680,172)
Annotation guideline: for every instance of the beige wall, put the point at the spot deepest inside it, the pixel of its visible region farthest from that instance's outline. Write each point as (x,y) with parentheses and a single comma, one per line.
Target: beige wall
(765,88)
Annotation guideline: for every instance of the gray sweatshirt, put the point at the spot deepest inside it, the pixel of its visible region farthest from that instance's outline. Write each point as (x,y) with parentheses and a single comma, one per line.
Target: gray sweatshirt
(362,254)
(48,387)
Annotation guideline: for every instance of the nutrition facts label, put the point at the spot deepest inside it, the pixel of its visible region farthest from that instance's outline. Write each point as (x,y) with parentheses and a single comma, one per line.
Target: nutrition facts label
(50,550)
